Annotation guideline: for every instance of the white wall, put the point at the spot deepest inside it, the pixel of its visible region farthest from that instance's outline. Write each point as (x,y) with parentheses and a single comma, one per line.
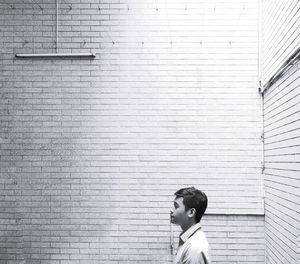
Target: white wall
(280,34)
(282,129)
(282,168)
(93,150)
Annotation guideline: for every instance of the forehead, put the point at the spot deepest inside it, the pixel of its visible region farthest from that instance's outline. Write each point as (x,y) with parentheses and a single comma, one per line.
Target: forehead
(179,201)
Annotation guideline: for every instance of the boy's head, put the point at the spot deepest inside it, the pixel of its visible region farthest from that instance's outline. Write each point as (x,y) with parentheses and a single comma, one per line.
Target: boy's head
(189,205)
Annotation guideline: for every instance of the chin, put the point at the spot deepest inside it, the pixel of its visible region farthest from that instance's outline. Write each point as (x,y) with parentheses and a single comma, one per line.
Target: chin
(172,220)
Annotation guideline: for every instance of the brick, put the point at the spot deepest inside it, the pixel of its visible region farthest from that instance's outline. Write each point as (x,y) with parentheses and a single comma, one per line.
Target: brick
(98,147)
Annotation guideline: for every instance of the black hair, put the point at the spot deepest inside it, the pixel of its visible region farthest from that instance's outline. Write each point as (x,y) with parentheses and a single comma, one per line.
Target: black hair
(193,198)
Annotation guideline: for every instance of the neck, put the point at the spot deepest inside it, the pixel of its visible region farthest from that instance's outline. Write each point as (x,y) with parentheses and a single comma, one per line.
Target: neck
(187,226)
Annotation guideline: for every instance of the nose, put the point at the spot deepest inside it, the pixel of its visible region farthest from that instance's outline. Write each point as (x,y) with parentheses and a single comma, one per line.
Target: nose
(171,211)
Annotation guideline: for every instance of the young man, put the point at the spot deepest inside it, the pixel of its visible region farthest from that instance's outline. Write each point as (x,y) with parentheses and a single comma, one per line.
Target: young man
(189,207)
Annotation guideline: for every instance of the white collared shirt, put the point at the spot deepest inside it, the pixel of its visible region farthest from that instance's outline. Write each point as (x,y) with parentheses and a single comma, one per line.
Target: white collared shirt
(194,248)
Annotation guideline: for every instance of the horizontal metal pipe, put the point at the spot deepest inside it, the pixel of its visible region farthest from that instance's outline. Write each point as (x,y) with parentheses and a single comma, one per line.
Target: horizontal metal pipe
(55,55)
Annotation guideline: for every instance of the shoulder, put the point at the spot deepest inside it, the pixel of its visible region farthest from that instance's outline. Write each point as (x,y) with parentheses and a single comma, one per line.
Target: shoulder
(199,238)
(198,244)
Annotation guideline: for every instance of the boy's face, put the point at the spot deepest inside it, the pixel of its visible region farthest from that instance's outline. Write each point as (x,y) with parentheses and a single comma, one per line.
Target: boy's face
(178,214)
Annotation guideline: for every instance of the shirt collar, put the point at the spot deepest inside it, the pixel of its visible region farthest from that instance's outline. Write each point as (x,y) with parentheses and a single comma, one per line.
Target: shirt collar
(188,233)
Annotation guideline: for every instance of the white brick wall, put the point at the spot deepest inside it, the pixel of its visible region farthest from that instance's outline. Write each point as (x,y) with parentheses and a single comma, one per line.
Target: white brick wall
(282,169)
(280,33)
(281,125)
(92,150)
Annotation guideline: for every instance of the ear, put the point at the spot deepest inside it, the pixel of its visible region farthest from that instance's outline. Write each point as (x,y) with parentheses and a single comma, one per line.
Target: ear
(192,212)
